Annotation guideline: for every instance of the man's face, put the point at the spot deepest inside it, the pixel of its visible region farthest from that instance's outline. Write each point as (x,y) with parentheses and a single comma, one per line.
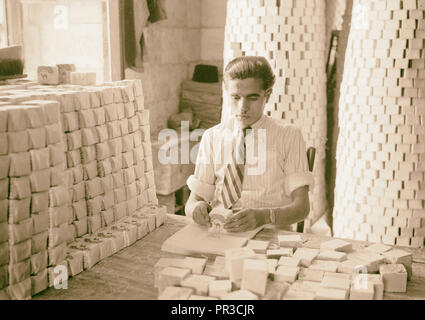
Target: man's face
(247,99)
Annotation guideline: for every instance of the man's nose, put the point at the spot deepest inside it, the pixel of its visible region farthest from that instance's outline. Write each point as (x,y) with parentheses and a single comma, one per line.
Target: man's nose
(244,105)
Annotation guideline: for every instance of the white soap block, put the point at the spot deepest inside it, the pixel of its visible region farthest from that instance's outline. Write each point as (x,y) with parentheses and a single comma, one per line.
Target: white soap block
(37,138)
(40,222)
(18,141)
(35,116)
(21,231)
(19,188)
(19,164)
(171,276)
(336,245)
(289,261)
(362,290)
(397,256)
(39,242)
(286,274)
(277,253)
(240,295)
(39,262)
(83,78)
(378,248)
(271,264)
(200,283)
(175,293)
(290,241)
(57,155)
(197,297)
(331,294)
(394,276)
(65,72)
(4,148)
(306,255)
(234,261)
(325,266)
(75,259)
(330,255)
(18,210)
(307,274)
(54,133)
(292,294)
(258,246)
(40,159)
(48,75)
(336,283)
(219,288)
(59,196)
(20,251)
(370,260)
(40,180)
(254,276)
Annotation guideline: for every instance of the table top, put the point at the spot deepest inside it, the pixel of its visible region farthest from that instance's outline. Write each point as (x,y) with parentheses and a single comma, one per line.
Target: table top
(129,274)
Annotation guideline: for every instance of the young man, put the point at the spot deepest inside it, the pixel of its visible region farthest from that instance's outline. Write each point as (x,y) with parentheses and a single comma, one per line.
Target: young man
(273,190)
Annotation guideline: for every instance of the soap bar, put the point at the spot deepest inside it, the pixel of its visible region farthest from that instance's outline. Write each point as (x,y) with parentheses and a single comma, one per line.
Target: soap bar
(254,276)
(19,271)
(40,222)
(90,170)
(306,255)
(277,253)
(18,141)
(86,118)
(83,100)
(397,256)
(94,188)
(219,288)
(40,159)
(331,294)
(80,227)
(65,72)
(4,277)
(20,252)
(289,261)
(40,180)
(57,154)
(89,138)
(234,261)
(199,283)
(394,276)
(290,241)
(59,215)
(94,223)
(336,283)
(83,78)
(19,210)
(171,276)
(20,231)
(17,120)
(75,259)
(307,274)
(59,196)
(38,262)
(275,290)
(100,118)
(286,274)
(48,75)
(21,290)
(336,245)
(239,295)
(57,235)
(326,266)
(330,255)
(175,293)
(37,138)
(39,282)
(54,133)
(39,242)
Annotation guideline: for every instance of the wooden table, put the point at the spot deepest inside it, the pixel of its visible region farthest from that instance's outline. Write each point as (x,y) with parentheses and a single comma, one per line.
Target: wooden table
(129,273)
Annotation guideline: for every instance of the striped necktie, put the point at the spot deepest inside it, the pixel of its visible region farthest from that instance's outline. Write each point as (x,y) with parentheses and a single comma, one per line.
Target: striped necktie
(234,173)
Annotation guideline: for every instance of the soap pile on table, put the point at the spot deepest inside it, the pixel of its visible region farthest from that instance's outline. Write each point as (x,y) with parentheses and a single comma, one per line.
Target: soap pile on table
(76,180)
(293,270)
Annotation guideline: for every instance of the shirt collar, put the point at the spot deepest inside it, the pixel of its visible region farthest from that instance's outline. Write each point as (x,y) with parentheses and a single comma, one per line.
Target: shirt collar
(255,125)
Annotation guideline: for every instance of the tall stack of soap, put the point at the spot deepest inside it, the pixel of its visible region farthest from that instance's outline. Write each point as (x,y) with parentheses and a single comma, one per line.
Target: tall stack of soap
(34,147)
(380,190)
(291,35)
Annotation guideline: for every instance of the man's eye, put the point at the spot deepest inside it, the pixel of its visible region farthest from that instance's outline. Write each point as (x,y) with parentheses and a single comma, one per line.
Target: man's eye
(254,98)
(236,97)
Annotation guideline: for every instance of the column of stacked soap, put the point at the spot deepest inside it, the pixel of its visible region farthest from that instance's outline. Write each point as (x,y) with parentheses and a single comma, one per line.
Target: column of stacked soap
(293,270)
(291,35)
(100,193)
(37,196)
(380,190)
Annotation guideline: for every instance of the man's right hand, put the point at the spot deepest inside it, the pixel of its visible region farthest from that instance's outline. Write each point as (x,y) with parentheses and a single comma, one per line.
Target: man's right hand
(200,213)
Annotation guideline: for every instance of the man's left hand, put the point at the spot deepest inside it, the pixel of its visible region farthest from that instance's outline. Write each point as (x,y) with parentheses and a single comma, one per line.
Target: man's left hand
(245,219)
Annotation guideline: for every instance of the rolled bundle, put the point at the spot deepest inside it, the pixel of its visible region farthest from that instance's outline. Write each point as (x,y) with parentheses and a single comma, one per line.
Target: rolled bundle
(380,190)
(291,35)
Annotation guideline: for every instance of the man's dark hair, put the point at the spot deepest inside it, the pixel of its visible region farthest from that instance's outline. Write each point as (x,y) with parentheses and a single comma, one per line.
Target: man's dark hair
(250,67)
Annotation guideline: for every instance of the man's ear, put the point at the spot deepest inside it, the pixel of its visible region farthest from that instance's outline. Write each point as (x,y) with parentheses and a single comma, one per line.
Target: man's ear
(268,93)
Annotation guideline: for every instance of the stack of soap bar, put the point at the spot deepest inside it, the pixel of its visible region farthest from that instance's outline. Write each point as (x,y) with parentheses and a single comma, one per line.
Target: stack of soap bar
(235,260)
(394,277)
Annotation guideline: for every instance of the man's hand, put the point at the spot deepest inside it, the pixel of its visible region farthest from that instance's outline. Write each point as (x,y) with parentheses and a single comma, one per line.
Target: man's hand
(200,213)
(246,219)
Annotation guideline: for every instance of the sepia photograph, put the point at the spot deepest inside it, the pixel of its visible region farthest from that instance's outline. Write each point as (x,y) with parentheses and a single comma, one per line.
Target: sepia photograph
(213,151)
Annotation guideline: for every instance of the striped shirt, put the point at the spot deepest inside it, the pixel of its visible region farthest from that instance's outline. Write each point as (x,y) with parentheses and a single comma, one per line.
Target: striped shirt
(276,164)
